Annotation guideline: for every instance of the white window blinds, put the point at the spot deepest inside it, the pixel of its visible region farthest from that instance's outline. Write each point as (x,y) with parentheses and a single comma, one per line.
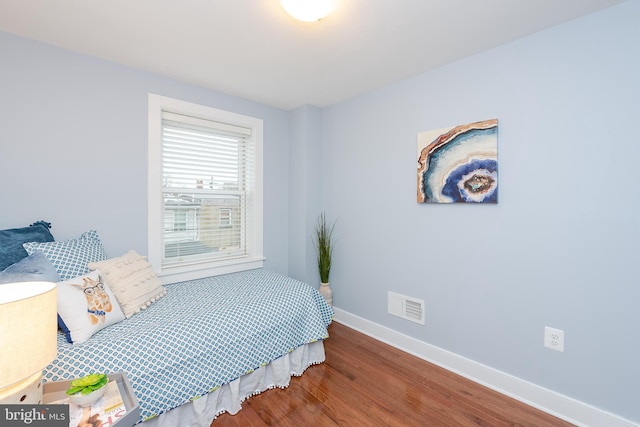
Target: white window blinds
(206,175)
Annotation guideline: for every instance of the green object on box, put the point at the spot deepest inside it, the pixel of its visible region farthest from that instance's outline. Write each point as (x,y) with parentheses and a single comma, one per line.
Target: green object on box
(87,384)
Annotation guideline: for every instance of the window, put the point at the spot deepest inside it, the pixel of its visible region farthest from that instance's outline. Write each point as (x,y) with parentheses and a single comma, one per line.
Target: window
(205,190)
(225,217)
(179,219)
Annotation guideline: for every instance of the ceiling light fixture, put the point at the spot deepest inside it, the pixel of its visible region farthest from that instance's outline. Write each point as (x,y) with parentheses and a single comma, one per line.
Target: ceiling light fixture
(307,10)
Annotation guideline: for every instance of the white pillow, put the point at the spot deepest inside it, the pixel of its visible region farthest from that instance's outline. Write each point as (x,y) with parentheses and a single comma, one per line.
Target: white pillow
(132,280)
(86,305)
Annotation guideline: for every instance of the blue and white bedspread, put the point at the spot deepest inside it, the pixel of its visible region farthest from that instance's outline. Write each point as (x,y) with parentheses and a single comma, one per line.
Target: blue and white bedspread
(203,334)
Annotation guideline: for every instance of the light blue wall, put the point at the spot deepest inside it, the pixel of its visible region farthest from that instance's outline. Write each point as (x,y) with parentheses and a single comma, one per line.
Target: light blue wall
(73,146)
(561,247)
(305,191)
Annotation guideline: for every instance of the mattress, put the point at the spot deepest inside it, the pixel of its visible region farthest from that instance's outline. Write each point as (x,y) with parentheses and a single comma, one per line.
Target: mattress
(202,335)
(229,398)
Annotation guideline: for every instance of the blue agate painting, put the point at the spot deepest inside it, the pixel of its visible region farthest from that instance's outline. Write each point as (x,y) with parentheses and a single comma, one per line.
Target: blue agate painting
(459,164)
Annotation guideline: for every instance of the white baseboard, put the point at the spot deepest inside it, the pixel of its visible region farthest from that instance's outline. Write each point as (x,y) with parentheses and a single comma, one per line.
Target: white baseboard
(563,407)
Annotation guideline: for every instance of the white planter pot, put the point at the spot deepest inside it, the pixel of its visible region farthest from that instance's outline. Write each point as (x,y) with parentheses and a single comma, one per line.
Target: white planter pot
(85,400)
(325,291)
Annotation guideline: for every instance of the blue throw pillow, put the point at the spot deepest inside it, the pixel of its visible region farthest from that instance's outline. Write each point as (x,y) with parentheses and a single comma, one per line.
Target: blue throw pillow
(34,268)
(11,240)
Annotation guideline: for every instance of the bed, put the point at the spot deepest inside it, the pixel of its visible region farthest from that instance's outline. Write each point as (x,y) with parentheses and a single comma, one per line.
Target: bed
(190,350)
(207,345)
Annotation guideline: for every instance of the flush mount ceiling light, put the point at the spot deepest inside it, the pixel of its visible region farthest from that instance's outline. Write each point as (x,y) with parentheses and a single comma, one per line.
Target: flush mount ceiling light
(308,10)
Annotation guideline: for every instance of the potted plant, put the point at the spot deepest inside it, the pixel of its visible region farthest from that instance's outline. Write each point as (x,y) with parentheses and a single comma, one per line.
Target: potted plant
(86,390)
(324,248)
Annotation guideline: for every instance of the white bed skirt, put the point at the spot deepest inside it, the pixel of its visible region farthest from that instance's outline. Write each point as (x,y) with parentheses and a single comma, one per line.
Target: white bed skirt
(228,398)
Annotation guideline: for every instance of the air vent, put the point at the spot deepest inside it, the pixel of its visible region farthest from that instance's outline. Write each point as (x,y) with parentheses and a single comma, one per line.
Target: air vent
(406,307)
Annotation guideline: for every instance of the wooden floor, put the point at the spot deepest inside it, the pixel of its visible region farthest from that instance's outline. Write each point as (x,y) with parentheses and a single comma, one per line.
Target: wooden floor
(367,383)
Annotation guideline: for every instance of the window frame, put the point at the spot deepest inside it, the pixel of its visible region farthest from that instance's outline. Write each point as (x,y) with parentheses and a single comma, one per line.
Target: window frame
(254,228)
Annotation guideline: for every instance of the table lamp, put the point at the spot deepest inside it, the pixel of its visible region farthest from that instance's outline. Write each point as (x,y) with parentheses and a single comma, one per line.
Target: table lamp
(28,339)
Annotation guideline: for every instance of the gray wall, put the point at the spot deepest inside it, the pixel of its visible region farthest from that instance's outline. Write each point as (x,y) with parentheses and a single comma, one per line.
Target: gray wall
(558,250)
(561,247)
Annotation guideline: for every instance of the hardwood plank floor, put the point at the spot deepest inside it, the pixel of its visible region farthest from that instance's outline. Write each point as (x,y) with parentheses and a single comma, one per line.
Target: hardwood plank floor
(364,382)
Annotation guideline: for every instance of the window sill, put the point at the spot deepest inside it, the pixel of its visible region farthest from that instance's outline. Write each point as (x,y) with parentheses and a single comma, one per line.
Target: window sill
(170,275)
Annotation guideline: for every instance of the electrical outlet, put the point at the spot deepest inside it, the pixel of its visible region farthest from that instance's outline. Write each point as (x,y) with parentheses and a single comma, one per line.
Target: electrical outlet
(554,338)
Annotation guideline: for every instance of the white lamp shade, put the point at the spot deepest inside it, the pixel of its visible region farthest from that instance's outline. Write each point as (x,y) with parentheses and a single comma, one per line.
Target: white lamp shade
(307,10)
(28,324)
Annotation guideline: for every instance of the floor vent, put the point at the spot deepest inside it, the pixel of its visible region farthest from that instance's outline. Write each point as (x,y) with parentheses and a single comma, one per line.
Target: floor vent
(406,307)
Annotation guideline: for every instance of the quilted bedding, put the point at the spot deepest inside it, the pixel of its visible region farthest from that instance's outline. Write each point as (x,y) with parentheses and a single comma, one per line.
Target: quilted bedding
(203,334)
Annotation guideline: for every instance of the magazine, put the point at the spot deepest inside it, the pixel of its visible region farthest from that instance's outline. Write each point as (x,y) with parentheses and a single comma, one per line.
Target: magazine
(104,413)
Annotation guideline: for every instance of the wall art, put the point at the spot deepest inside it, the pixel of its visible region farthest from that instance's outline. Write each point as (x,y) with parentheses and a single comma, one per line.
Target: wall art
(459,164)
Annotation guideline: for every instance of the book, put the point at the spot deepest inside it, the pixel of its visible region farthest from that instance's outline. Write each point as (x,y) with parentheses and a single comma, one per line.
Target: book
(105,412)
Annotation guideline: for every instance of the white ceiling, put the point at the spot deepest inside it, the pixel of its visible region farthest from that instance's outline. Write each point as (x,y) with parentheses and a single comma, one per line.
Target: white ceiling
(252,49)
